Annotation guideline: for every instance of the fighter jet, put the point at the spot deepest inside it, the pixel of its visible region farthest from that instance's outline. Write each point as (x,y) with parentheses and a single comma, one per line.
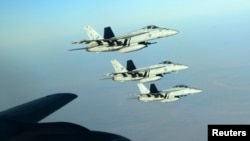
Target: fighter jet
(129,42)
(168,95)
(145,74)
(21,123)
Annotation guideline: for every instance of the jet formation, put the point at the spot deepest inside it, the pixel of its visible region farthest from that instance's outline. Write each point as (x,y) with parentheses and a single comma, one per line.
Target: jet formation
(129,42)
(144,74)
(134,41)
(21,123)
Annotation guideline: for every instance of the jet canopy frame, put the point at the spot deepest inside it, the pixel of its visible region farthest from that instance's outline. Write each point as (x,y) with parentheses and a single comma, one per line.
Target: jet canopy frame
(151,27)
(181,86)
(166,62)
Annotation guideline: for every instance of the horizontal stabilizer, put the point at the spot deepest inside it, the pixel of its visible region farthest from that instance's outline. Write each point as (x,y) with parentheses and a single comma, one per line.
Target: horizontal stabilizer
(38,109)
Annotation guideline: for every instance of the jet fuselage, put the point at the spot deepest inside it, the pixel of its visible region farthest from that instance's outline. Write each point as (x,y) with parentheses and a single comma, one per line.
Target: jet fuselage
(150,73)
(150,97)
(180,90)
(169,95)
(147,34)
(134,41)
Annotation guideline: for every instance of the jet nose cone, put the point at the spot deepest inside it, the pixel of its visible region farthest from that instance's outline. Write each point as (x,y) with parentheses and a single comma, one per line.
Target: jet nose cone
(169,32)
(182,67)
(173,32)
(197,91)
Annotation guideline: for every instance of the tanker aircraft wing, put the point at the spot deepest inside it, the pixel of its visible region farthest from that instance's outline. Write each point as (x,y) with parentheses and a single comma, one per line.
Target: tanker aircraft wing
(21,123)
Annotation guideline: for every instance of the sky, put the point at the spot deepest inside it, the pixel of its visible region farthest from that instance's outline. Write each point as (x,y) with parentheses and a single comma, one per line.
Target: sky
(213,41)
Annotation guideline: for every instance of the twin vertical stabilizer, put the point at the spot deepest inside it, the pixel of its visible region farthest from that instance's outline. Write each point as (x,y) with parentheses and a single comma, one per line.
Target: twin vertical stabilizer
(93,35)
(118,67)
(143,89)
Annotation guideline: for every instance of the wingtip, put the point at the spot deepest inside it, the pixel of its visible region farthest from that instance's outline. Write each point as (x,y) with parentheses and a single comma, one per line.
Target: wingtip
(71,50)
(106,78)
(74,49)
(68,95)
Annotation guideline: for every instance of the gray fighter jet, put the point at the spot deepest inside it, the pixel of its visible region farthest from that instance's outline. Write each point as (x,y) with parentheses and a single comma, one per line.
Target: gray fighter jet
(129,42)
(168,95)
(145,74)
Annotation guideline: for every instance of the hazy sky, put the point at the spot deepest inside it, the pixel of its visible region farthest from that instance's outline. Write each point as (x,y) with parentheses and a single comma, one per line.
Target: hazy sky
(213,41)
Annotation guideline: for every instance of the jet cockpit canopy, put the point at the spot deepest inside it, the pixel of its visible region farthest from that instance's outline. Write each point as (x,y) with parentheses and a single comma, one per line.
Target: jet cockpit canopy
(166,62)
(150,27)
(181,86)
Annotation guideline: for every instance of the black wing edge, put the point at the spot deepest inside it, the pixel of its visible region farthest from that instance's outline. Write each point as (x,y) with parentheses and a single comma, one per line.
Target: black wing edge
(37,109)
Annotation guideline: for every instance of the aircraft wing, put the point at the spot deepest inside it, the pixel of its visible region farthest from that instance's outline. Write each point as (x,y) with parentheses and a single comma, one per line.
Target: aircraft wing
(171,94)
(83,41)
(110,39)
(130,72)
(125,36)
(78,49)
(145,69)
(38,109)
(139,70)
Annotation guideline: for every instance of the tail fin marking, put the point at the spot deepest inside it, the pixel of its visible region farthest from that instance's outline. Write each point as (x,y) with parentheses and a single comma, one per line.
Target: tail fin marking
(130,65)
(153,88)
(92,34)
(142,88)
(108,33)
(118,67)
